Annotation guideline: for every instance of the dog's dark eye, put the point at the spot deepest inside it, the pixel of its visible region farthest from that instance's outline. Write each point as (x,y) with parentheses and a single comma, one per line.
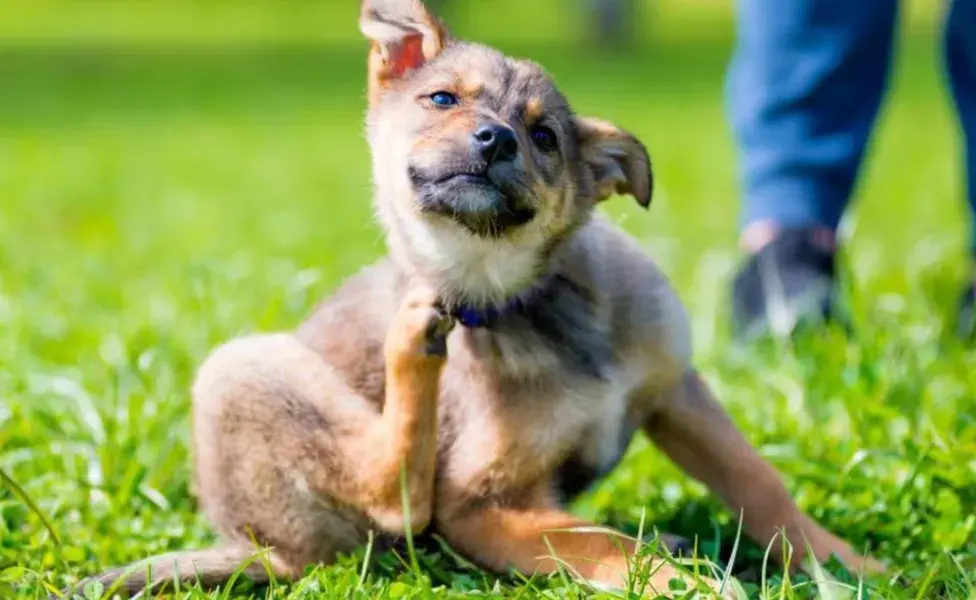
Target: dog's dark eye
(443,99)
(544,138)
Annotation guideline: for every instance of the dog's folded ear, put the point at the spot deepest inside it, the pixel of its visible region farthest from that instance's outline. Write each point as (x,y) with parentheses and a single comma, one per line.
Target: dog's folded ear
(617,160)
(405,35)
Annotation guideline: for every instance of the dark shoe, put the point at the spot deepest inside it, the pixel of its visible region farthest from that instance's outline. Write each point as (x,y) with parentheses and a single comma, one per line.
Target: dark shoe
(791,281)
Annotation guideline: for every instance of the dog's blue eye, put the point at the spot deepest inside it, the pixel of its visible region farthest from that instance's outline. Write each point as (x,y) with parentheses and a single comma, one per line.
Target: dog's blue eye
(443,99)
(544,138)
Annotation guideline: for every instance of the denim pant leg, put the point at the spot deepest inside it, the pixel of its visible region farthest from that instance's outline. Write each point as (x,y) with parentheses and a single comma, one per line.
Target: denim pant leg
(960,61)
(803,91)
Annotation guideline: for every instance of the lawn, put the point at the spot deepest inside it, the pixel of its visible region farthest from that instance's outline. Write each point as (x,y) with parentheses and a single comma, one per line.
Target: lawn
(176,173)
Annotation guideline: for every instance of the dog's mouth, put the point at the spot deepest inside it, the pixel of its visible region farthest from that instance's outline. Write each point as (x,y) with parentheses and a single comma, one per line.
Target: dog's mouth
(472,178)
(476,200)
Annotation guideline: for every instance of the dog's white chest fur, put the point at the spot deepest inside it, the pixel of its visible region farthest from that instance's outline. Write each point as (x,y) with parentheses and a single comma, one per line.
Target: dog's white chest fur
(487,270)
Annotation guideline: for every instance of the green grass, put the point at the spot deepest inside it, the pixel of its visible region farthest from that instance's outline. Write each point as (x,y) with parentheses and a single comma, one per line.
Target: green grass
(175,173)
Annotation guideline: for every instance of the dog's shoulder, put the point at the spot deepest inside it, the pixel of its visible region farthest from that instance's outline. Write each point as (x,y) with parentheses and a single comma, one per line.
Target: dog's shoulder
(647,320)
(348,328)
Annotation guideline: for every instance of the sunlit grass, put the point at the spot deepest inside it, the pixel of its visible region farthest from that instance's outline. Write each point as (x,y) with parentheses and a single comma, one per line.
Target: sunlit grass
(167,182)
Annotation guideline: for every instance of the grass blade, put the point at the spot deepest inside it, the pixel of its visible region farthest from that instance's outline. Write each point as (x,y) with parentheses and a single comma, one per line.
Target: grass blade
(26,499)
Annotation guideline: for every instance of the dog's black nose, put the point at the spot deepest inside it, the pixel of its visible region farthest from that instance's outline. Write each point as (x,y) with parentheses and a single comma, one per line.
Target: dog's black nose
(496,143)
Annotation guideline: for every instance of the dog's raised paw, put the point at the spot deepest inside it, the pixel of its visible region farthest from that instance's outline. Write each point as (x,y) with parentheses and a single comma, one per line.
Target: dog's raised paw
(421,325)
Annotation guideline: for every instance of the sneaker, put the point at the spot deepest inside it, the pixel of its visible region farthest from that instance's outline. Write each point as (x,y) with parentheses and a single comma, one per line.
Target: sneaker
(789,282)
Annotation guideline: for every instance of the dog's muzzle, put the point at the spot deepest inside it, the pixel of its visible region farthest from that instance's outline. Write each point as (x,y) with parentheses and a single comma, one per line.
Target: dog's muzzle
(478,201)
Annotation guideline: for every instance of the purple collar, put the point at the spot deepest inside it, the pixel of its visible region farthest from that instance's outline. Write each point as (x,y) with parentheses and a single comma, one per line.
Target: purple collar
(478,318)
(484,317)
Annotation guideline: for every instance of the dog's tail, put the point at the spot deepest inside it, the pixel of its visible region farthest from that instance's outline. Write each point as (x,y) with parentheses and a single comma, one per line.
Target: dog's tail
(209,567)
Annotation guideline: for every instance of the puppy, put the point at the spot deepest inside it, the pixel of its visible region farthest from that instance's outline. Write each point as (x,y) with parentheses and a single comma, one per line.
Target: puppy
(498,360)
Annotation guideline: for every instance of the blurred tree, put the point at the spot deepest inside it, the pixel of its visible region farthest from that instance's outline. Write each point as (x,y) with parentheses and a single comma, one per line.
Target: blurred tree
(611,21)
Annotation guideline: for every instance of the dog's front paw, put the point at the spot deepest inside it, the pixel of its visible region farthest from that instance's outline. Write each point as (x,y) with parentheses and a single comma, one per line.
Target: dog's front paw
(826,545)
(421,326)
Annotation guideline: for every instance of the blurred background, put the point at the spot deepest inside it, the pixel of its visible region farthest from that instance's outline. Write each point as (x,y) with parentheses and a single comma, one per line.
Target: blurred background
(175,172)
(140,137)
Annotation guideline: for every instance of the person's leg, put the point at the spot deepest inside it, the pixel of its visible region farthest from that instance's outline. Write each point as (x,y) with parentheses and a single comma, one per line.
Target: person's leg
(803,90)
(960,64)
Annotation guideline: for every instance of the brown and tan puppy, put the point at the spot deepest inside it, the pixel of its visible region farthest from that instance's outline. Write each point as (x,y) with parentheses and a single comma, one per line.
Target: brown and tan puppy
(568,341)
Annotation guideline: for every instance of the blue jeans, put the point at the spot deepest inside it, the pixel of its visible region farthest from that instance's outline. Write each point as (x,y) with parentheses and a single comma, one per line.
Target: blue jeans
(804,89)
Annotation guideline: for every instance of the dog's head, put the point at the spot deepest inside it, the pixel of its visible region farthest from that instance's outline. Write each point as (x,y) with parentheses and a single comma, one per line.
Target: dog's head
(481,168)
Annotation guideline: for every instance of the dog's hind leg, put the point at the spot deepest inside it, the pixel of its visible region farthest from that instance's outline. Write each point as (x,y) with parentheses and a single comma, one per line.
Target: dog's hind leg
(695,432)
(284,446)
(543,539)
(289,456)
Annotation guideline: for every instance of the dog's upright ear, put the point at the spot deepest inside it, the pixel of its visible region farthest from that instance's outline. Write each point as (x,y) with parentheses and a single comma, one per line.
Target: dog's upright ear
(404,36)
(617,160)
